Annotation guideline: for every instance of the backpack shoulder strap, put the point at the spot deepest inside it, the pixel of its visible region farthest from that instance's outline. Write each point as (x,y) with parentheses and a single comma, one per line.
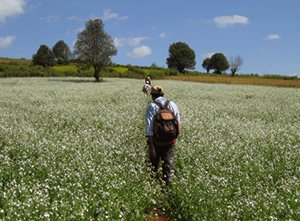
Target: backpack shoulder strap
(159,105)
(166,104)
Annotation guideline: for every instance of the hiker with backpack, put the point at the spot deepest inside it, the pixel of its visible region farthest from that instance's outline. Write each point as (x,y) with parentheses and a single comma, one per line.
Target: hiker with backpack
(146,89)
(148,80)
(162,129)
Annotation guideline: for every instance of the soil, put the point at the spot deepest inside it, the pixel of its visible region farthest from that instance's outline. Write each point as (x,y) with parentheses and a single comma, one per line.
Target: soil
(161,218)
(157,215)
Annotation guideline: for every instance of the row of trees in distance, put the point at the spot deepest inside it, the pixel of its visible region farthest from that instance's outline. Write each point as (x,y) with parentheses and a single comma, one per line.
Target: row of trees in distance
(60,53)
(94,47)
(182,57)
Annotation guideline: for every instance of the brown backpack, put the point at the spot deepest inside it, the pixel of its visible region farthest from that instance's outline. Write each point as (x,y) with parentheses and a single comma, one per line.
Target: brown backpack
(166,126)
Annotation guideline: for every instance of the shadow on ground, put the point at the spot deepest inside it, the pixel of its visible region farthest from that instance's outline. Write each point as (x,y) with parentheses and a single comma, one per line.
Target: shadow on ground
(77,80)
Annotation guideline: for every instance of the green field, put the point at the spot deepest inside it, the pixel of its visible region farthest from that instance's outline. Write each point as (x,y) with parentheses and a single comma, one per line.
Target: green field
(72,149)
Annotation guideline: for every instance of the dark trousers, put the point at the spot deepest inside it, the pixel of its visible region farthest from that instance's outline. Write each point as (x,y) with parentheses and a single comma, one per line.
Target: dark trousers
(166,154)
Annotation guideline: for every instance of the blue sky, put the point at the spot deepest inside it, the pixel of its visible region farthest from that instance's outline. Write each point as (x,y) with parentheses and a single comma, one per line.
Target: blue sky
(265,33)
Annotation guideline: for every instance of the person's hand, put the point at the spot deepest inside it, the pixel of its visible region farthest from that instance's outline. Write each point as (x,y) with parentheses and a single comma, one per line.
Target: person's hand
(152,151)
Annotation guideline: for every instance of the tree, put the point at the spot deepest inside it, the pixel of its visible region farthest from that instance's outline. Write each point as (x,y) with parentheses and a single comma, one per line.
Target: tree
(207,65)
(235,64)
(94,46)
(181,57)
(61,50)
(44,56)
(219,63)
(154,66)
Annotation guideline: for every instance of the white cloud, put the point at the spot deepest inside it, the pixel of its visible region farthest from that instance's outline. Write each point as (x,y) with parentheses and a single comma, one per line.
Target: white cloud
(272,37)
(163,35)
(225,21)
(74,17)
(294,75)
(10,8)
(119,42)
(140,52)
(107,15)
(6,42)
(50,18)
(207,55)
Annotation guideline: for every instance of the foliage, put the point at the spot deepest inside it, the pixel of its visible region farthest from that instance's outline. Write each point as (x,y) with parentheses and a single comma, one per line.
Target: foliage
(65,155)
(94,46)
(120,69)
(154,66)
(272,76)
(219,62)
(44,57)
(7,70)
(61,51)
(22,68)
(181,57)
(206,64)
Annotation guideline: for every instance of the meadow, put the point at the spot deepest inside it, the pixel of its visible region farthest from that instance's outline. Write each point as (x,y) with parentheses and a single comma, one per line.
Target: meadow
(284,81)
(73,149)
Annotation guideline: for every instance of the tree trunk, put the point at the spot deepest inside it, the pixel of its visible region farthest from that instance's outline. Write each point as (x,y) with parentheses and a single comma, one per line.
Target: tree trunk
(96,74)
(180,69)
(233,72)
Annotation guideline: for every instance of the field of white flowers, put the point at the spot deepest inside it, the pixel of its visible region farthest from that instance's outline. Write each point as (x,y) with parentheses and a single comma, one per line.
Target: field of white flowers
(72,149)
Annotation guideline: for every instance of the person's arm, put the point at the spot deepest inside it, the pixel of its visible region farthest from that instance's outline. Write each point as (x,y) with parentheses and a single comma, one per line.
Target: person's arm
(151,147)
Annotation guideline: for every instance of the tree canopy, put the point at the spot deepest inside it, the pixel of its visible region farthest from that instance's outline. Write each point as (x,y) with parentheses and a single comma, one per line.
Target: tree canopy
(181,57)
(94,46)
(44,56)
(61,50)
(219,63)
(206,64)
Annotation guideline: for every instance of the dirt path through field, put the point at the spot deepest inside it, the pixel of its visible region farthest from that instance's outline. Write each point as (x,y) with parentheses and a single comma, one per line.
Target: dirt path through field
(161,218)
(157,215)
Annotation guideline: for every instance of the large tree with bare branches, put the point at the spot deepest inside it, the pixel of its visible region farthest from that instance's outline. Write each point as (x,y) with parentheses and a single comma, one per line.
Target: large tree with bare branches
(235,64)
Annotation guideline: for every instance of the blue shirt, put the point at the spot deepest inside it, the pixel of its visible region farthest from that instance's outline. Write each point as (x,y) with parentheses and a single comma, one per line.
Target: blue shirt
(152,111)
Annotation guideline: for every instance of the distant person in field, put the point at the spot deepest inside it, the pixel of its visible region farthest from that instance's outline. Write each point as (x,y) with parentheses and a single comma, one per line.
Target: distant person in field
(148,80)
(162,114)
(146,89)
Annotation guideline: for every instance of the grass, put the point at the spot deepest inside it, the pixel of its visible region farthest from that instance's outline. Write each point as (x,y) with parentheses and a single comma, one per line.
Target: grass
(15,61)
(239,80)
(120,69)
(75,149)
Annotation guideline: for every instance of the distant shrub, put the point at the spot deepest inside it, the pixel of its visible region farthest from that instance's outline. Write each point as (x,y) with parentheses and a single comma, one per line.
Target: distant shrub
(270,76)
(40,71)
(62,61)
(1,68)
(171,72)
(135,70)
(120,69)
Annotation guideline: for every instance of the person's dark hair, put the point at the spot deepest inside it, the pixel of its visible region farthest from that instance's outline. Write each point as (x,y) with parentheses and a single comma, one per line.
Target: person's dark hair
(157,95)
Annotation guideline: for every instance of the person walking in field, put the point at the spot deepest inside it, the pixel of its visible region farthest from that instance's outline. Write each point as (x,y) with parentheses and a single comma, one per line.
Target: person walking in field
(146,89)
(162,129)
(148,80)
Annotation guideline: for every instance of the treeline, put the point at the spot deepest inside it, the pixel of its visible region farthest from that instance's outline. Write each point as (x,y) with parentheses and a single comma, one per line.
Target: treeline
(25,68)
(76,69)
